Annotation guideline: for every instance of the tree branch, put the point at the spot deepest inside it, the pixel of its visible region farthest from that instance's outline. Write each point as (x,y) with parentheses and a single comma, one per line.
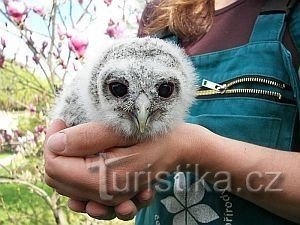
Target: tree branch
(40,192)
(32,48)
(52,38)
(84,12)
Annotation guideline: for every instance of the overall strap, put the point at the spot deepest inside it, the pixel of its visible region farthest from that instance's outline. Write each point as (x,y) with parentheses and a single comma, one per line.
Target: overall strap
(270,26)
(278,6)
(294,26)
(271,22)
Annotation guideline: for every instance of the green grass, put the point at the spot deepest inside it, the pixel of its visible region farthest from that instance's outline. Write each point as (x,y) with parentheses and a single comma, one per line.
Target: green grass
(20,206)
(5,154)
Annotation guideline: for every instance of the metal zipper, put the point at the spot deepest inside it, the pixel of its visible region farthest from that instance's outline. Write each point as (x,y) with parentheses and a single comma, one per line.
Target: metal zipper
(257,80)
(212,88)
(272,94)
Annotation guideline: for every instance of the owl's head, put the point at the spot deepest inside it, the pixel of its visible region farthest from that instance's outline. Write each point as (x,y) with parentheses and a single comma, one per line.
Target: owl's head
(144,86)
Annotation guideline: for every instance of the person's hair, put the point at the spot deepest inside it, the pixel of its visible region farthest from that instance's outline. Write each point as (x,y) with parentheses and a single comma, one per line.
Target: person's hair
(184,18)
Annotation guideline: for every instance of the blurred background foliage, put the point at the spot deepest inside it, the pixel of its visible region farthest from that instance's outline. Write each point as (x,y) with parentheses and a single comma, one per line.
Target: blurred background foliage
(43,44)
(20,88)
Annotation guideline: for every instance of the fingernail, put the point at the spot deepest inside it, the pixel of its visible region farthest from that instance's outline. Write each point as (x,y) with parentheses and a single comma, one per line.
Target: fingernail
(57,142)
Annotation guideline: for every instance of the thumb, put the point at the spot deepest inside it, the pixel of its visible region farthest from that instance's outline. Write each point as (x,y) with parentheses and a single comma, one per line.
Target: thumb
(55,126)
(84,140)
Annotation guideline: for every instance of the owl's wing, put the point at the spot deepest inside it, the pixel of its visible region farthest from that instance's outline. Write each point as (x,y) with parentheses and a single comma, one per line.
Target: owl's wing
(69,107)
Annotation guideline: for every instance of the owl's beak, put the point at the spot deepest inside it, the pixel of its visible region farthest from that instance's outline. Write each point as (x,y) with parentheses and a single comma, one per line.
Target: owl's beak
(142,117)
(142,105)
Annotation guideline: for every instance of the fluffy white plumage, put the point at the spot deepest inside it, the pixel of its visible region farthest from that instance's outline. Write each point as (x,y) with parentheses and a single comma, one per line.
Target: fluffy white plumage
(142,87)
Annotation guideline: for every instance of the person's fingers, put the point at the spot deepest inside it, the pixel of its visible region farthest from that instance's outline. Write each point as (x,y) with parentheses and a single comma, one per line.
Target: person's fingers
(90,176)
(143,199)
(70,191)
(77,206)
(55,126)
(85,139)
(63,189)
(126,210)
(80,172)
(99,211)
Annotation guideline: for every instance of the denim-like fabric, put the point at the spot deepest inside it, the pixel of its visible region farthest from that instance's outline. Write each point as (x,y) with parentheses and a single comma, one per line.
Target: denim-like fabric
(248,118)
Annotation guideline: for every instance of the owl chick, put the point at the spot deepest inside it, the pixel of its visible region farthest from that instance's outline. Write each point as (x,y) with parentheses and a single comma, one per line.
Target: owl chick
(141,87)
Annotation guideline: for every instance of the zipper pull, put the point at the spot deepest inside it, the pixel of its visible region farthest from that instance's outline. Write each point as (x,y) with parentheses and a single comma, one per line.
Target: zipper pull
(213,86)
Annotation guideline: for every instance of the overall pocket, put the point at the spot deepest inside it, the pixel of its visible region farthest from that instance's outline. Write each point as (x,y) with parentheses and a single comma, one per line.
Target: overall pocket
(254,85)
(253,129)
(250,108)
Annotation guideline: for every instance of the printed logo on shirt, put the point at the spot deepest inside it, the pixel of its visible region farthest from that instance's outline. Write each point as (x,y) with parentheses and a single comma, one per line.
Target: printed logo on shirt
(186,203)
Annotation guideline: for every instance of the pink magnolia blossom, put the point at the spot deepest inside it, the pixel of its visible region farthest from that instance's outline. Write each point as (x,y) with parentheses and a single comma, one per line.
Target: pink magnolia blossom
(78,44)
(32,108)
(40,129)
(108,2)
(114,30)
(39,10)
(70,32)
(18,133)
(17,10)
(36,58)
(80,2)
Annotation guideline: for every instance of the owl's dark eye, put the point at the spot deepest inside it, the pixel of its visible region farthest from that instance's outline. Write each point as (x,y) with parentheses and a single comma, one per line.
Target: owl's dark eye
(165,90)
(118,89)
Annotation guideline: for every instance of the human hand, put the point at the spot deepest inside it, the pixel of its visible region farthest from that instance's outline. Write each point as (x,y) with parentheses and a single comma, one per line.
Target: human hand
(82,185)
(125,211)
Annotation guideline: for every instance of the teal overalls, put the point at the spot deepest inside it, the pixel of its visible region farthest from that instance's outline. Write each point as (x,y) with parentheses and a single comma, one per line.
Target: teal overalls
(249,93)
